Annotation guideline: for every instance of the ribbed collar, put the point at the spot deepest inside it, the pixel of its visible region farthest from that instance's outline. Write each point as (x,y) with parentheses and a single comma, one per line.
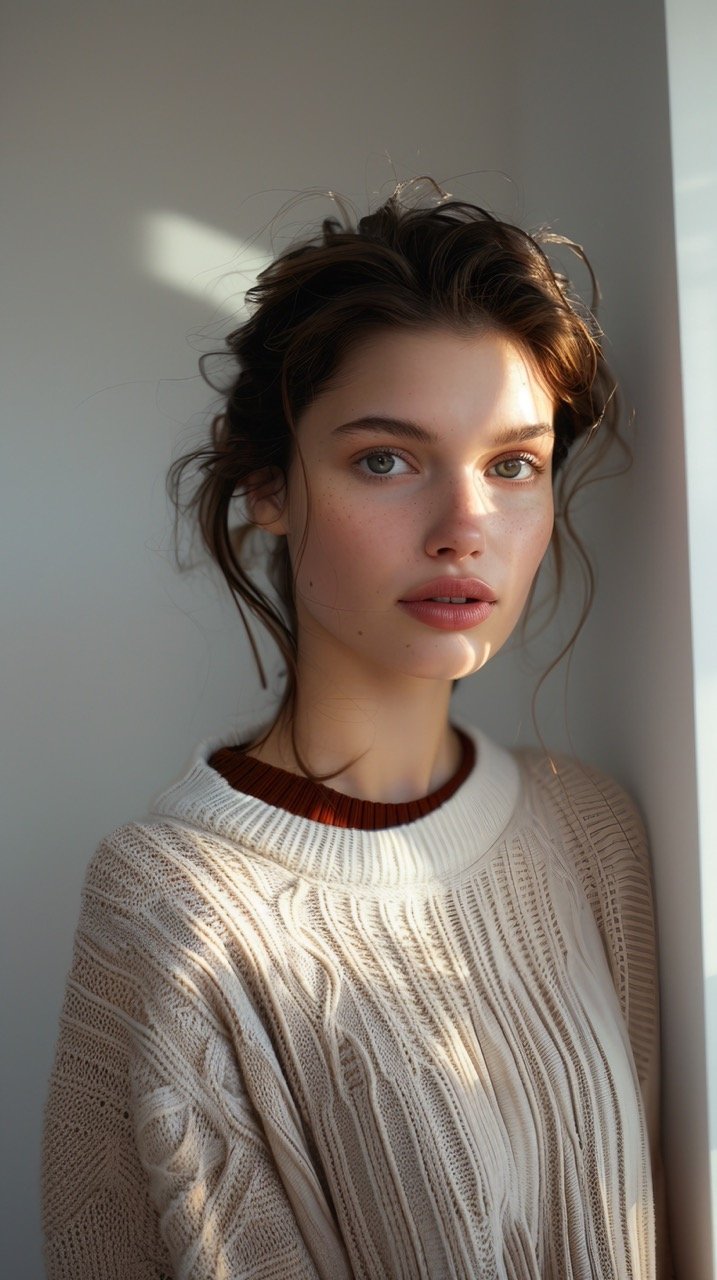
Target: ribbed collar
(308,799)
(439,845)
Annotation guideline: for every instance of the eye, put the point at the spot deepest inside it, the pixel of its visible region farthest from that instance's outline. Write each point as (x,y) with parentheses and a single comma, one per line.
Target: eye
(383,462)
(520,467)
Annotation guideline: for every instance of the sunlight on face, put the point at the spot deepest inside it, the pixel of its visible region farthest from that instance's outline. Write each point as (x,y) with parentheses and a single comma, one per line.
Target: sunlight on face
(430,505)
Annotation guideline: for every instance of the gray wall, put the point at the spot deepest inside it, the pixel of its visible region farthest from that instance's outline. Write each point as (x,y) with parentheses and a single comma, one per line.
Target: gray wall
(149,142)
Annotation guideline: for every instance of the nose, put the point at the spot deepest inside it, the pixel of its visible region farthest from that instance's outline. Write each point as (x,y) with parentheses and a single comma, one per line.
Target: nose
(458,526)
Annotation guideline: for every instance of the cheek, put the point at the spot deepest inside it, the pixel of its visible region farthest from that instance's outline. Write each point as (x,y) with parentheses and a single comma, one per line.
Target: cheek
(530,536)
(544,532)
(335,550)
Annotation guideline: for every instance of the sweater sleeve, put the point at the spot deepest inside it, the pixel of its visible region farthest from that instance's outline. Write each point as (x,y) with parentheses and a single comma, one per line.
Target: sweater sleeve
(607,845)
(157,1164)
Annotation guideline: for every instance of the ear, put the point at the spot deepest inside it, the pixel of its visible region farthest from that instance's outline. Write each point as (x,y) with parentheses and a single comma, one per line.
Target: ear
(266,501)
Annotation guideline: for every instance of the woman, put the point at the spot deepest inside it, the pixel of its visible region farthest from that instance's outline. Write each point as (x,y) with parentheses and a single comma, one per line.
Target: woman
(368,995)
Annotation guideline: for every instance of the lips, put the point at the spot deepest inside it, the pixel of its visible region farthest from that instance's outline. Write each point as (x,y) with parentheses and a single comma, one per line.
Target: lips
(450,604)
(445,590)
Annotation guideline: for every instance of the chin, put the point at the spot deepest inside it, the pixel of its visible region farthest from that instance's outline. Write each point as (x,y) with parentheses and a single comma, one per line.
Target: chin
(437,666)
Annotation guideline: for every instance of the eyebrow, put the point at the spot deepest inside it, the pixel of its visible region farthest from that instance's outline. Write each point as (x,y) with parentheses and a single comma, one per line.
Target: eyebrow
(414,431)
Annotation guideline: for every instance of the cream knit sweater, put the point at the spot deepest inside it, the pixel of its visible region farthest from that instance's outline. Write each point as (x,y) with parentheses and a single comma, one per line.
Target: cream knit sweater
(290,1050)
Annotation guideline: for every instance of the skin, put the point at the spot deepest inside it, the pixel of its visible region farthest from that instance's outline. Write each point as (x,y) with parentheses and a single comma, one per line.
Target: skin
(386,514)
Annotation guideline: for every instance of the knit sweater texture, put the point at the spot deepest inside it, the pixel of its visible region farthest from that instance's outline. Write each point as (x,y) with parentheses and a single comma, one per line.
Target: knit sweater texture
(290,1050)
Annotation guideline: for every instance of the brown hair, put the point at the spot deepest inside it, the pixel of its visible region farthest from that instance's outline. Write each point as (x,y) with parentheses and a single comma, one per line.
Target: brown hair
(447,263)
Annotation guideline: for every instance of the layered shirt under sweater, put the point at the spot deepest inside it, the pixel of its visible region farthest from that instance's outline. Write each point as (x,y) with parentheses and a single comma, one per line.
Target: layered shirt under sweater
(290,1049)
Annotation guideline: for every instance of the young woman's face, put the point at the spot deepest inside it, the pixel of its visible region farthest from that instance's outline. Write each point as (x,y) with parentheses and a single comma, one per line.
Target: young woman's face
(430,505)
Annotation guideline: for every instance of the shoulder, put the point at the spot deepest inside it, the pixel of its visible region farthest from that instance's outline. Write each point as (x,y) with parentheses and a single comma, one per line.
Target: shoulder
(163,889)
(600,836)
(150,893)
(598,833)
(585,807)
(138,863)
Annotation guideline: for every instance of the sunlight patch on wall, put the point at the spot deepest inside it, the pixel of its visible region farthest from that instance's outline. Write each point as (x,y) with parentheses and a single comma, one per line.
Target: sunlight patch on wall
(199,260)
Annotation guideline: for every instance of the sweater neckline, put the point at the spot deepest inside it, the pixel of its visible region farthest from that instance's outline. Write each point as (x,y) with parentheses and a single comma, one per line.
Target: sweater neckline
(438,845)
(308,799)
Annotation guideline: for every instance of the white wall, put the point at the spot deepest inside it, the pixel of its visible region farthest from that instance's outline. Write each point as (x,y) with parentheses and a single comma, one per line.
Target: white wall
(148,142)
(692,32)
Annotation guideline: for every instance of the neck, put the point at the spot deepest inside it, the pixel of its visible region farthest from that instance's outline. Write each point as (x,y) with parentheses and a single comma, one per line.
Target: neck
(388,745)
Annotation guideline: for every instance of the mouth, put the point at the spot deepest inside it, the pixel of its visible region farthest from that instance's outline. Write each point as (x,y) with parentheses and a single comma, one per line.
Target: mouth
(450,604)
(451,591)
(452,599)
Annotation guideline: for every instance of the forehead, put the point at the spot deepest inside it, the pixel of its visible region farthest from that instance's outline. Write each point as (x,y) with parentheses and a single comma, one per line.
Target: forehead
(436,376)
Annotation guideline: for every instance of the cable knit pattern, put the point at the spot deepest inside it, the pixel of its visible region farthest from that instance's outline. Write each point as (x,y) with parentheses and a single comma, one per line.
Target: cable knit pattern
(294,1050)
